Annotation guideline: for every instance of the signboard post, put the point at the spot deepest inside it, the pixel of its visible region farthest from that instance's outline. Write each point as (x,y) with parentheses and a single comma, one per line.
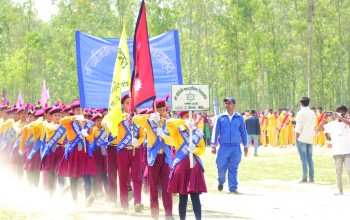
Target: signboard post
(190,98)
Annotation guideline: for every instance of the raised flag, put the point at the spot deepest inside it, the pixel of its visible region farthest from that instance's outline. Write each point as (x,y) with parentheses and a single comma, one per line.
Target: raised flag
(142,81)
(120,84)
(3,100)
(19,100)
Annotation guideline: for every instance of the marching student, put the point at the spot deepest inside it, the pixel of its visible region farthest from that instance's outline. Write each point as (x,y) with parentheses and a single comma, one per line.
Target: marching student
(183,179)
(53,149)
(32,167)
(159,144)
(78,161)
(129,157)
(99,153)
(16,158)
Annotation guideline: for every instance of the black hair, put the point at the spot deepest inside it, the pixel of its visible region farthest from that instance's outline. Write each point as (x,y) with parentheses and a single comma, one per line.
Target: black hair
(342,108)
(305,101)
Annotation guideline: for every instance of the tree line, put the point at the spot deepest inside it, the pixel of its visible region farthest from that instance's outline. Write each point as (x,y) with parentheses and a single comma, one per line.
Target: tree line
(265,53)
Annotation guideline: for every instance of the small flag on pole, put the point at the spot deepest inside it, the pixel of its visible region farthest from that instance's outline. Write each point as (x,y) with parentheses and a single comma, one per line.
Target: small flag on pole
(3,100)
(44,94)
(19,100)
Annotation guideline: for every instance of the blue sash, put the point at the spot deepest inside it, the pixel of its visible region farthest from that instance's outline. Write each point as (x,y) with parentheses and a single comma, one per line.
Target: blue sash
(10,133)
(109,140)
(127,138)
(99,141)
(79,137)
(29,141)
(16,144)
(47,146)
(152,152)
(183,150)
(36,147)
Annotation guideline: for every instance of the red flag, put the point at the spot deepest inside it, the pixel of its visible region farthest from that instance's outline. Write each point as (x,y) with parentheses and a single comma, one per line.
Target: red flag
(142,82)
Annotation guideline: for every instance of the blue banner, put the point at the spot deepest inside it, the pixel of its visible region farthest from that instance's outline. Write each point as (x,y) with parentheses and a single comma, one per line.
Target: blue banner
(95,65)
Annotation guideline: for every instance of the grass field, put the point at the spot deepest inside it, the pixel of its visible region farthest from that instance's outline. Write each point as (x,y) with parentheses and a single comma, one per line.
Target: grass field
(274,164)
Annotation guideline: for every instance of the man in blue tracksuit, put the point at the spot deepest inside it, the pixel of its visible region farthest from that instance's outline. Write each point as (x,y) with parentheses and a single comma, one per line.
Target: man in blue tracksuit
(229,131)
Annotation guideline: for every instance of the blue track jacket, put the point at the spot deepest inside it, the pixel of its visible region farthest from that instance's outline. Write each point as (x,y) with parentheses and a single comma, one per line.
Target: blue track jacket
(229,132)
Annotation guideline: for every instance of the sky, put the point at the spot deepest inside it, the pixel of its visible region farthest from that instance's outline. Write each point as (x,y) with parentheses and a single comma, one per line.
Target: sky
(45,9)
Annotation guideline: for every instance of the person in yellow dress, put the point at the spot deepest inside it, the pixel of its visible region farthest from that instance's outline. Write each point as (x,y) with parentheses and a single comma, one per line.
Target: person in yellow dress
(272,128)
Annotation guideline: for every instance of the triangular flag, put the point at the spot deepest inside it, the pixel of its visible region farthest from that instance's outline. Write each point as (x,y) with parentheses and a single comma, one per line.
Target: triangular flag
(43,98)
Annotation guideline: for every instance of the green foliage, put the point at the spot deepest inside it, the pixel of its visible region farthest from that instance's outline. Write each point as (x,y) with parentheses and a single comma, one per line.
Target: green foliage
(254,50)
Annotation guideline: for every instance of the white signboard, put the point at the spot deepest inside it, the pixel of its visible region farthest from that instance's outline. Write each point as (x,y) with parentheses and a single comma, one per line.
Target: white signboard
(190,97)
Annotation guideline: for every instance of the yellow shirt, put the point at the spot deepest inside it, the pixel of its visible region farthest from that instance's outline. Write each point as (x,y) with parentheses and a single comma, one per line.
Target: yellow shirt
(18,125)
(172,126)
(66,122)
(50,131)
(26,133)
(122,133)
(141,120)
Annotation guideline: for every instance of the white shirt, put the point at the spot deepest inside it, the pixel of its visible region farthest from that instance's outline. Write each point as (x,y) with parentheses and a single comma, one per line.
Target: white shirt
(305,124)
(340,135)
(230,116)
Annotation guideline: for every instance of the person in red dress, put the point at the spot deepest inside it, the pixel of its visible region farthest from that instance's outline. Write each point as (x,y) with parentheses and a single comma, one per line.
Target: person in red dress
(184,179)
(78,161)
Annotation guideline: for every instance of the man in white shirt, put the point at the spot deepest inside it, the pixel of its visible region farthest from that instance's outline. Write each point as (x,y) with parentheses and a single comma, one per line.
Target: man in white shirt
(340,137)
(304,132)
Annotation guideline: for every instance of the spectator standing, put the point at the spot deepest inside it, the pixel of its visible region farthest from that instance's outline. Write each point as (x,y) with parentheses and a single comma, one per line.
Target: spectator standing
(340,137)
(304,132)
(253,130)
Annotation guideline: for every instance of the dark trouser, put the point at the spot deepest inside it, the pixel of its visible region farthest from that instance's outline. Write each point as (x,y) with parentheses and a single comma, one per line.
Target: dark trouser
(74,187)
(160,172)
(111,160)
(33,178)
(126,162)
(95,183)
(48,181)
(196,204)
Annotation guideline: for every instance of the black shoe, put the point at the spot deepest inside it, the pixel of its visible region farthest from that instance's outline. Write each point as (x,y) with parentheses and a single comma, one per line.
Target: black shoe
(302,181)
(234,191)
(220,187)
(311,181)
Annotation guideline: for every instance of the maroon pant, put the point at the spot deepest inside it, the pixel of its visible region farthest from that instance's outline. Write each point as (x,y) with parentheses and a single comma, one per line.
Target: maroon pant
(111,160)
(160,172)
(129,164)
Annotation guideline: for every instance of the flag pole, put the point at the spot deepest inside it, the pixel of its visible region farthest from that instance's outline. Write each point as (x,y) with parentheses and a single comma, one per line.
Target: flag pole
(191,141)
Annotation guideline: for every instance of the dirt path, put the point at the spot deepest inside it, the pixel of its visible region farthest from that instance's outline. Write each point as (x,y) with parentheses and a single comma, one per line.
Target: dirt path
(262,200)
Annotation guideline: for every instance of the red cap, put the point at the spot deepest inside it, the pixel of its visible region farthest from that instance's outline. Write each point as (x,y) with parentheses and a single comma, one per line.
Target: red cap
(70,112)
(3,107)
(22,108)
(160,103)
(149,111)
(142,111)
(181,113)
(75,104)
(55,110)
(97,115)
(67,108)
(126,96)
(39,113)
(12,110)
